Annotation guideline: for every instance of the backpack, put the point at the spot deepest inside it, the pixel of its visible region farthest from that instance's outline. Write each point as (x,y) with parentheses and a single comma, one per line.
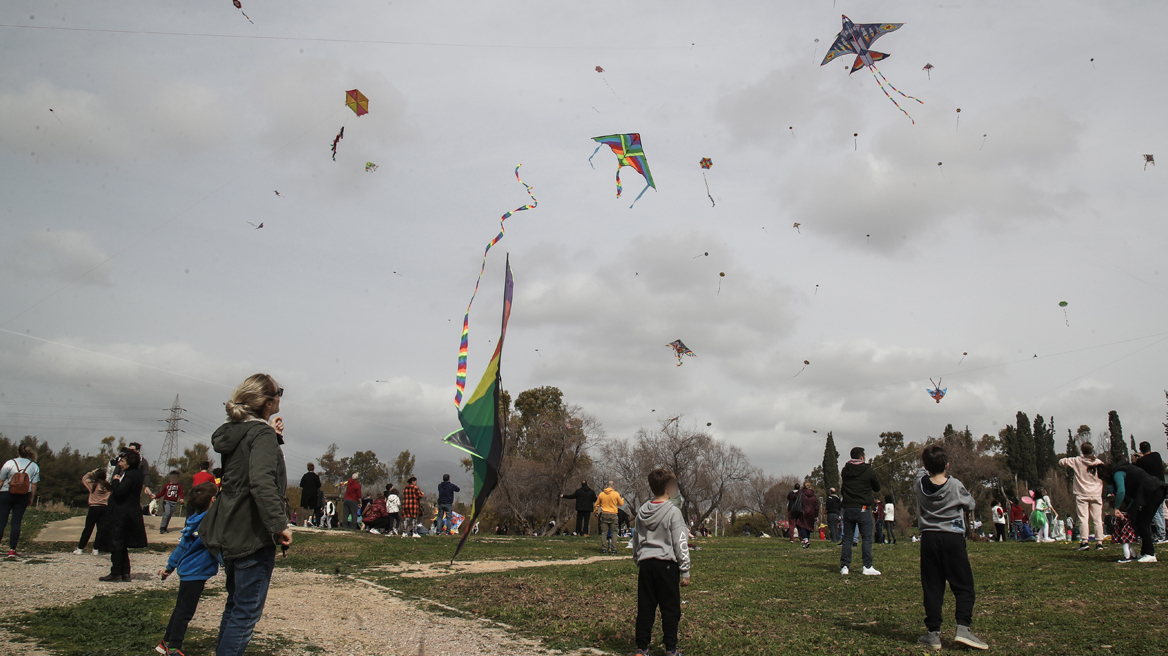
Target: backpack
(20,483)
(795,506)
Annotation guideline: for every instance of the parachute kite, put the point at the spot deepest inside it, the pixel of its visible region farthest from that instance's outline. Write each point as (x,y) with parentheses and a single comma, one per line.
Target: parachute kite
(628,151)
(928,69)
(857,39)
(1148,159)
(806,363)
(1063,305)
(937,393)
(706,163)
(680,349)
(357,102)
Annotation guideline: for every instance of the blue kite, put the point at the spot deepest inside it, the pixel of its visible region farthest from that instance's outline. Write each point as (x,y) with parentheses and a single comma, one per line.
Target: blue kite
(857,39)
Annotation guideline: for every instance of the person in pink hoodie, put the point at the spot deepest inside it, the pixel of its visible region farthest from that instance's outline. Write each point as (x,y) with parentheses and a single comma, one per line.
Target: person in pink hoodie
(1088,494)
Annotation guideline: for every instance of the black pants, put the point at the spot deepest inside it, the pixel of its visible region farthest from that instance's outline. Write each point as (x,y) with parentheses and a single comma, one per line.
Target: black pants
(1000,532)
(890,531)
(12,505)
(583,522)
(95,515)
(1143,521)
(120,563)
(379,523)
(658,585)
(944,559)
(184,609)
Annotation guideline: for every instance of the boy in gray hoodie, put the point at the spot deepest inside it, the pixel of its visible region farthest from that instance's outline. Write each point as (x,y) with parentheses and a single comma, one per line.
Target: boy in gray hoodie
(661,551)
(942,502)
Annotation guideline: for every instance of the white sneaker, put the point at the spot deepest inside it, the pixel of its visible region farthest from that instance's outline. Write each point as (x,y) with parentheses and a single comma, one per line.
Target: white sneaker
(844,571)
(1147,559)
(95,552)
(78,551)
(375,531)
(871,571)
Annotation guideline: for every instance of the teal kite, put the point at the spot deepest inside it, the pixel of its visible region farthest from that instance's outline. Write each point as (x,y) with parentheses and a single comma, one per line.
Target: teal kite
(628,151)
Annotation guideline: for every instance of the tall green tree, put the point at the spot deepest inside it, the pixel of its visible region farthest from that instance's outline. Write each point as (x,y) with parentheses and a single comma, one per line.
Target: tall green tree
(1044,456)
(1118,448)
(370,471)
(1072,445)
(189,463)
(831,468)
(403,468)
(331,469)
(1025,440)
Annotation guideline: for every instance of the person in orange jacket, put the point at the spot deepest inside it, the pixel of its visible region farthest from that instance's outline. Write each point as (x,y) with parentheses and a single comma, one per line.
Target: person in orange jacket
(608,503)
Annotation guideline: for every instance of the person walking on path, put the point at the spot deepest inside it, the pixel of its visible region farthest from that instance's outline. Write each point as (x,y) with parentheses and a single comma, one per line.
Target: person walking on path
(446,491)
(808,518)
(833,506)
(999,515)
(310,491)
(794,514)
(585,502)
(1137,496)
(1151,462)
(661,551)
(194,565)
(607,504)
(393,508)
(352,505)
(412,505)
(99,493)
(889,520)
(942,503)
(171,495)
(249,519)
(859,486)
(123,528)
(1088,489)
(18,484)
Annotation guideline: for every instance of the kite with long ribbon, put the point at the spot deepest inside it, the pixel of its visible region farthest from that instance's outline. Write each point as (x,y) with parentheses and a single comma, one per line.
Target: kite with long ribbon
(628,151)
(460,382)
(857,40)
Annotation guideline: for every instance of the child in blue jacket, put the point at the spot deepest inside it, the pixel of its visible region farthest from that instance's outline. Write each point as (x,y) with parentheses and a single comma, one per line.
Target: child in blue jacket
(195,565)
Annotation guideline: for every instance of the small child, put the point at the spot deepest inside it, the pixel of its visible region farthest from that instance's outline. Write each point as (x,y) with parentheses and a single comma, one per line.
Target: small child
(942,502)
(662,556)
(194,564)
(1123,533)
(171,495)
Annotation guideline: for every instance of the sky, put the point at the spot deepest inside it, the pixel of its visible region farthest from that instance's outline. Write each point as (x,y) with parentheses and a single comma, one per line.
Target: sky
(130,271)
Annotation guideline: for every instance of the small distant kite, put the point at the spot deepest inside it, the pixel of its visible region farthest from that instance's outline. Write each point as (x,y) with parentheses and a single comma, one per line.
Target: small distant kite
(628,151)
(680,349)
(1148,159)
(247,17)
(62,123)
(796,227)
(671,420)
(357,102)
(237,4)
(937,393)
(340,135)
(257,227)
(706,163)
(928,69)
(279,195)
(599,69)
(1063,305)
(705,254)
(370,167)
(857,39)
(806,363)
(958,120)
(963,354)
(721,275)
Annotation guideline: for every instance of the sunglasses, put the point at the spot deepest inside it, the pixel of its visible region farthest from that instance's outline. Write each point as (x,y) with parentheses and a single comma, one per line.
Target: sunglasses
(280,392)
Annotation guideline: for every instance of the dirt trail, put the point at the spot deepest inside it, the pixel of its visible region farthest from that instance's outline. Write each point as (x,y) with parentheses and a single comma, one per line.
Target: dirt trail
(435,570)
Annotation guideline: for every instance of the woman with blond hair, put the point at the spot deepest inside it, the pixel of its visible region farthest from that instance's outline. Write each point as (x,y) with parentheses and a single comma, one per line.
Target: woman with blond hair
(18,483)
(249,519)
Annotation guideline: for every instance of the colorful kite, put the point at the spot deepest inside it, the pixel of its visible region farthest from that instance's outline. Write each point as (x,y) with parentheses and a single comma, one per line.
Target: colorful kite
(357,102)
(370,167)
(482,424)
(340,135)
(628,151)
(1148,159)
(706,163)
(460,380)
(857,39)
(937,393)
(928,69)
(680,349)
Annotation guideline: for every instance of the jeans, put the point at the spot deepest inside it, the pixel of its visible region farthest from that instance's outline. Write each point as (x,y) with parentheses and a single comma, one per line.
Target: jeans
(247,590)
(395,521)
(890,531)
(605,529)
(944,559)
(184,609)
(95,515)
(445,519)
(833,527)
(14,505)
(658,585)
(879,526)
(583,522)
(167,513)
(1158,524)
(857,519)
(349,514)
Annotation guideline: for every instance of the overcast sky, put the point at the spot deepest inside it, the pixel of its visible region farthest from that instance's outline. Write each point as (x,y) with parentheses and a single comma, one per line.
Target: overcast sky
(162,148)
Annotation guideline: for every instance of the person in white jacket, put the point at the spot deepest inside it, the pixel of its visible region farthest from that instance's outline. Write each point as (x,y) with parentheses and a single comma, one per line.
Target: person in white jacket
(1088,495)
(889,520)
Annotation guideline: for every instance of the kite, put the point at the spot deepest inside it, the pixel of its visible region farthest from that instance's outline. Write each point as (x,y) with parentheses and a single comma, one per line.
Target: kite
(460,379)
(705,254)
(680,349)
(278,194)
(814,51)
(928,69)
(628,151)
(963,354)
(721,275)
(62,123)
(857,39)
(357,102)
(983,138)
(958,119)
(340,135)
(257,227)
(370,167)
(937,393)
(482,424)
(796,227)
(1063,305)
(855,141)
(940,169)
(248,18)
(1148,159)
(670,421)
(706,163)
(599,69)
(805,365)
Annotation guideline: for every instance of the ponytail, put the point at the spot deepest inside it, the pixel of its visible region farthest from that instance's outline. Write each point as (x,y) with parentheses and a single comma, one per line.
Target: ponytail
(248,400)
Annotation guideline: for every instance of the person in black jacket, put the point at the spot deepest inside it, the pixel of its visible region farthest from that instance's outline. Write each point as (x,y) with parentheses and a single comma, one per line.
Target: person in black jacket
(859,486)
(1151,462)
(123,528)
(833,506)
(585,500)
(1138,495)
(309,489)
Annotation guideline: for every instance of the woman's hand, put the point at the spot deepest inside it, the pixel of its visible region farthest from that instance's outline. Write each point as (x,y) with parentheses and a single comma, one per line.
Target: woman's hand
(284,538)
(278,424)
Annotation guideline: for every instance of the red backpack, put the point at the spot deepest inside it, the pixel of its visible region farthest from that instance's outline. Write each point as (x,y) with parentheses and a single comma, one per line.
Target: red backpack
(20,483)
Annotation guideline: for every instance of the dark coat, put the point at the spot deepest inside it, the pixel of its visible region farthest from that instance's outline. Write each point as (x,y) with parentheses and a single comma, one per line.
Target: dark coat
(250,509)
(859,482)
(585,499)
(309,487)
(122,527)
(809,519)
(834,503)
(1151,463)
(1139,487)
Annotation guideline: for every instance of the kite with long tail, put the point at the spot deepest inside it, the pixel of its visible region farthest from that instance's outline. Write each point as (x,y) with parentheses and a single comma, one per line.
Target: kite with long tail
(460,382)
(857,39)
(628,151)
(340,135)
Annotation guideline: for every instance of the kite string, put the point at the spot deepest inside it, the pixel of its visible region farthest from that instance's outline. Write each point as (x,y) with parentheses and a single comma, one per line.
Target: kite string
(460,381)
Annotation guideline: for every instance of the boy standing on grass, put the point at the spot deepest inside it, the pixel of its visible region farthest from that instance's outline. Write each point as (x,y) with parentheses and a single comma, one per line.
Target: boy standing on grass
(942,502)
(662,556)
(194,564)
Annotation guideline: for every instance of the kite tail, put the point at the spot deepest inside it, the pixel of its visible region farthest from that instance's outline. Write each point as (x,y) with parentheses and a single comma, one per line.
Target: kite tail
(460,378)
(878,75)
(712,204)
(642,194)
(619,188)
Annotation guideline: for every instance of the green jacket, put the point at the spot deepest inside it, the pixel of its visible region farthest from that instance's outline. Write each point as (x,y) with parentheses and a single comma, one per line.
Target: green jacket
(250,507)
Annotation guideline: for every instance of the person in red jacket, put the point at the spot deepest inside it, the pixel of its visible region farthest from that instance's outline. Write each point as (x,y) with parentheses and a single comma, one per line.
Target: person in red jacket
(352,503)
(204,475)
(171,495)
(376,517)
(1017,518)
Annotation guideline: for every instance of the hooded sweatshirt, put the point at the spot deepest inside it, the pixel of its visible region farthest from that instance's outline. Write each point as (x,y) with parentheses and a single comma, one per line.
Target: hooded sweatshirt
(609,501)
(190,557)
(249,510)
(1087,485)
(942,507)
(859,484)
(661,533)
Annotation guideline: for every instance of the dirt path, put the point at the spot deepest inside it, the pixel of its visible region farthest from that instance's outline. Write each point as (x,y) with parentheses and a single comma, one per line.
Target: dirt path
(434,570)
(342,617)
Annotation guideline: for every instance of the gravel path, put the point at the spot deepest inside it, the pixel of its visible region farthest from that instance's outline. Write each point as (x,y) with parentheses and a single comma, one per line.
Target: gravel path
(340,616)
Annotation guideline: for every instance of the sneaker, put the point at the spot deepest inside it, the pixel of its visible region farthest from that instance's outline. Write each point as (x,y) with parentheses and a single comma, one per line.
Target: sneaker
(161,648)
(1083,546)
(844,571)
(1125,560)
(12,554)
(78,551)
(95,552)
(965,637)
(175,652)
(110,578)
(931,640)
(375,531)
(871,571)
(1099,547)
(1147,559)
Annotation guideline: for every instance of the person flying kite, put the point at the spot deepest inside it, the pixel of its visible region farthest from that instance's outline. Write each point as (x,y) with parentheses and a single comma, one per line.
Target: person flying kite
(680,349)
(857,39)
(628,151)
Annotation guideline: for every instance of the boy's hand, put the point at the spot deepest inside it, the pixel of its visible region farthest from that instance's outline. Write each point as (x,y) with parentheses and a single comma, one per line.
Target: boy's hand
(284,538)
(162,574)
(685,582)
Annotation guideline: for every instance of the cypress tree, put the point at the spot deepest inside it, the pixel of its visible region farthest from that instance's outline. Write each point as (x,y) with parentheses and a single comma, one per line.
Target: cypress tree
(1072,445)
(831,469)
(1044,456)
(1026,450)
(1118,448)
